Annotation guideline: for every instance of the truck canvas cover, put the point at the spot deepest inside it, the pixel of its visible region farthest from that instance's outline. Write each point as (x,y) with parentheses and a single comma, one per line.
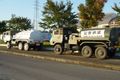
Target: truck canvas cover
(34,35)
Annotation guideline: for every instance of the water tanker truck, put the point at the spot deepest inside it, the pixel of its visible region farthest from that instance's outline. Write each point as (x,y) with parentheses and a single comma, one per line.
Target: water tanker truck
(99,42)
(25,40)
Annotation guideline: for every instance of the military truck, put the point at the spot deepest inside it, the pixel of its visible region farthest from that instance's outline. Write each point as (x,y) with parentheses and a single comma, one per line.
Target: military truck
(99,42)
(27,39)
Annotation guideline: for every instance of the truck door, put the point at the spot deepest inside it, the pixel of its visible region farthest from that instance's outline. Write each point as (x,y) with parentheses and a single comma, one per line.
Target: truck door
(6,36)
(57,36)
(66,34)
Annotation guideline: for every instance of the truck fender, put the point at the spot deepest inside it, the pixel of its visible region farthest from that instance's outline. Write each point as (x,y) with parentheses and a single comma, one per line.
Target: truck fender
(101,43)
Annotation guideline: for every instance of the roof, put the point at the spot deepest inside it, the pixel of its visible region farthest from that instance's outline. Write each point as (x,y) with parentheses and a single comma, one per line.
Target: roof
(107,18)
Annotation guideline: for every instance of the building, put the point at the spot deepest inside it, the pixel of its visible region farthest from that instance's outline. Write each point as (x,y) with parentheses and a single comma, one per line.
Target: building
(109,20)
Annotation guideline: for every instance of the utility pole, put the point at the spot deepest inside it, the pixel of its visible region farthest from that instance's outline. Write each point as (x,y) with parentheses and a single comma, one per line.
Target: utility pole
(36,15)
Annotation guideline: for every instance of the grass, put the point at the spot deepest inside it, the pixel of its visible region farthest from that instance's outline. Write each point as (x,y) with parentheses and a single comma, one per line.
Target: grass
(2,42)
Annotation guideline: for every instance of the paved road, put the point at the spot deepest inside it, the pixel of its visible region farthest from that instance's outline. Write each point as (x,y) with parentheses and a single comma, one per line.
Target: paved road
(22,68)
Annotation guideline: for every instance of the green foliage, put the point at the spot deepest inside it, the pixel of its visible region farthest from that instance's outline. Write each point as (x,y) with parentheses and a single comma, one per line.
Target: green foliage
(56,15)
(2,42)
(91,12)
(2,26)
(117,9)
(19,23)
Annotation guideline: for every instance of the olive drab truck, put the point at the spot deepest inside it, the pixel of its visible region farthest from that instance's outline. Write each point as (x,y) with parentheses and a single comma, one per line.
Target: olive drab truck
(100,42)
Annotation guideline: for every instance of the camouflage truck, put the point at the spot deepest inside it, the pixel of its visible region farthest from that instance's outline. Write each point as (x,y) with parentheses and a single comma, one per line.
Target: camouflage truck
(100,42)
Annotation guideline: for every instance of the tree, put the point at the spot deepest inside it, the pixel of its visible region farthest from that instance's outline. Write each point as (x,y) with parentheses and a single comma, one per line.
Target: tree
(56,15)
(19,23)
(2,26)
(91,12)
(117,9)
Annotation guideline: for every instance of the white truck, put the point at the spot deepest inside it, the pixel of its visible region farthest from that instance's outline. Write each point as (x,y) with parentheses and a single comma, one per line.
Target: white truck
(100,42)
(28,39)
(7,35)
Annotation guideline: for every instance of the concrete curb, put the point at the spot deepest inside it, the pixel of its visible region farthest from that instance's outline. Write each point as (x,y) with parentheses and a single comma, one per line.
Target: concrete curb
(85,63)
(3,45)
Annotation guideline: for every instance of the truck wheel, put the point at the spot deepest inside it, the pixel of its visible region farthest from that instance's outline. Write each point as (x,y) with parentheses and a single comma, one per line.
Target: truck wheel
(101,53)
(58,49)
(8,45)
(20,46)
(86,51)
(26,46)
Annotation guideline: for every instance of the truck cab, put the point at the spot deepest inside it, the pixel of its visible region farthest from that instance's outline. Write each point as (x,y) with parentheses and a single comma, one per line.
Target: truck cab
(7,36)
(62,38)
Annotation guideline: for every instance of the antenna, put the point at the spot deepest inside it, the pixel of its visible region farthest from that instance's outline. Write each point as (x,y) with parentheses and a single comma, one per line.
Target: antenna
(36,14)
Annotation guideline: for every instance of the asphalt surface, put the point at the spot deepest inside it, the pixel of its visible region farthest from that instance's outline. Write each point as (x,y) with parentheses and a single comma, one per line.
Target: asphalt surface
(47,54)
(14,67)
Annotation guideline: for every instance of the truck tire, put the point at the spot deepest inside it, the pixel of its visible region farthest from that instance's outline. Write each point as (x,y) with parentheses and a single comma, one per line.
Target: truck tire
(20,46)
(86,51)
(58,49)
(101,53)
(26,47)
(8,45)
